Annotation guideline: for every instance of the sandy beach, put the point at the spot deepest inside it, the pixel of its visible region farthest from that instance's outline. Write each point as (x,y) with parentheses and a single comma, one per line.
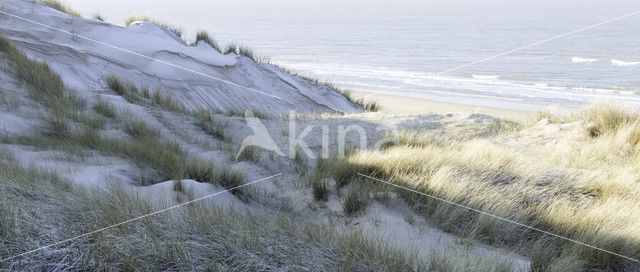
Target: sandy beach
(403,104)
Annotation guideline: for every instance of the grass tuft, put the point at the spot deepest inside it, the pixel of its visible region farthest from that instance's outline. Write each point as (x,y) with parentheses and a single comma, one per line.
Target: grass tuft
(250,153)
(499,126)
(55,4)
(99,18)
(120,87)
(250,112)
(211,125)
(204,36)
(178,186)
(139,130)
(166,102)
(356,200)
(231,48)
(57,128)
(45,85)
(371,106)
(106,108)
(604,118)
(133,94)
(320,188)
(242,50)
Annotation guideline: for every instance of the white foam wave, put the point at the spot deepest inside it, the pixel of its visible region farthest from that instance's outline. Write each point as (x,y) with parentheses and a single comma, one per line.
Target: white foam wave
(583,60)
(485,77)
(615,62)
(375,78)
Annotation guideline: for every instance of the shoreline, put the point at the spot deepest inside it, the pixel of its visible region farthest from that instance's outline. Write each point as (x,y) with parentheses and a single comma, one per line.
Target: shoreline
(402,105)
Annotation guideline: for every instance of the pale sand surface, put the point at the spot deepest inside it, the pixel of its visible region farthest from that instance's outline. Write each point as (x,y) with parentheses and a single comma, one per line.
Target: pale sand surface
(403,104)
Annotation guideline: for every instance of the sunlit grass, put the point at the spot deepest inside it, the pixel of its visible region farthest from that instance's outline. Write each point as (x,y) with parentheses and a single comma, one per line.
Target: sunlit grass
(584,187)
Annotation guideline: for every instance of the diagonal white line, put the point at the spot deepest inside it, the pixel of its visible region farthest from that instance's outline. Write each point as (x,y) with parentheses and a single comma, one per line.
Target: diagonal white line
(540,42)
(500,218)
(141,55)
(138,218)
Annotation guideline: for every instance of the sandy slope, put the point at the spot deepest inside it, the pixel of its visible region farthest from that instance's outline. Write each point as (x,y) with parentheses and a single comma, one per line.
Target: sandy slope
(84,64)
(187,72)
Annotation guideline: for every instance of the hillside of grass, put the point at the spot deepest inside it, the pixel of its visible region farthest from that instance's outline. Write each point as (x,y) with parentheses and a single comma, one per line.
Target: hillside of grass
(572,176)
(47,219)
(87,160)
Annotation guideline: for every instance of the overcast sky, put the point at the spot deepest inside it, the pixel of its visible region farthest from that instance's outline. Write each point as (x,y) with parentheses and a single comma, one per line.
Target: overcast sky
(261,8)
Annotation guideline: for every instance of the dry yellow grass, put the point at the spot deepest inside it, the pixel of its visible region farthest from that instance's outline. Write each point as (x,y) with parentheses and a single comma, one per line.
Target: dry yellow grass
(580,181)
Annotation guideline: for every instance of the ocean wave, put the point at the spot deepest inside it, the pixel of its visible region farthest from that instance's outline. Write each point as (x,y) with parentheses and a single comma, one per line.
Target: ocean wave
(485,77)
(615,62)
(379,78)
(583,60)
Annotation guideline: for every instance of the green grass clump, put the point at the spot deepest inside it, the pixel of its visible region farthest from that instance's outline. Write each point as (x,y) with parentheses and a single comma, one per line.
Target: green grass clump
(142,96)
(166,102)
(300,160)
(441,262)
(499,126)
(178,186)
(371,106)
(9,102)
(212,126)
(124,89)
(45,85)
(231,48)
(320,188)
(140,130)
(99,18)
(250,112)
(250,153)
(204,36)
(253,112)
(55,4)
(356,200)
(56,127)
(245,51)
(105,108)
(343,173)
(144,148)
(224,176)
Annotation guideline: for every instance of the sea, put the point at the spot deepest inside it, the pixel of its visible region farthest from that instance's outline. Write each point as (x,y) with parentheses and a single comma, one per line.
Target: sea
(512,54)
